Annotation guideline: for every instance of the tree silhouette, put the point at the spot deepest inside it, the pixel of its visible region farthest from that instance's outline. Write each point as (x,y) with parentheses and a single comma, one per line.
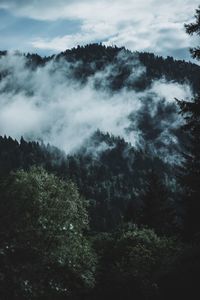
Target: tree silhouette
(190,171)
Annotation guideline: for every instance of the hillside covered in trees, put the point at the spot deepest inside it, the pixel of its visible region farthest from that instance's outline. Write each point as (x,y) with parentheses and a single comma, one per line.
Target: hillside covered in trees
(93,211)
(93,58)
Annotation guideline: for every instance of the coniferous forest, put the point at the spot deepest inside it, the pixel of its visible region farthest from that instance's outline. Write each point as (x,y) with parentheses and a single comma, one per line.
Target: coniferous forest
(111,219)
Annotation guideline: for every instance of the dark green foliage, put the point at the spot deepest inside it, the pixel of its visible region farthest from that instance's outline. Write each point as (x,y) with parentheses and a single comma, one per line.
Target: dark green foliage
(158,209)
(85,61)
(174,70)
(194,28)
(48,251)
(96,57)
(131,263)
(190,171)
(113,179)
(15,155)
(181,279)
(35,60)
(43,251)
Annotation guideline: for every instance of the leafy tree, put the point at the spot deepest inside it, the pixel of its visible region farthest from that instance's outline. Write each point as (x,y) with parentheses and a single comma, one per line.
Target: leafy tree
(44,253)
(131,261)
(110,179)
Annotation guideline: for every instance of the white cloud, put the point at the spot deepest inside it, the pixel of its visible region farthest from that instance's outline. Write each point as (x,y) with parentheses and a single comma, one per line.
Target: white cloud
(47,104)
(151,25)
(171,90)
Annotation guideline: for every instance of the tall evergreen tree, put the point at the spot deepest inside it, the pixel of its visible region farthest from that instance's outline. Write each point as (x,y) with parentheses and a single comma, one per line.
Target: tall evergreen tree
(190,171)
(194,28)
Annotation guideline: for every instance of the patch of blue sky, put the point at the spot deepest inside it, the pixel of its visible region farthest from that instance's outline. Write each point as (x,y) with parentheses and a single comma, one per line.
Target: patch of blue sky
(18,31)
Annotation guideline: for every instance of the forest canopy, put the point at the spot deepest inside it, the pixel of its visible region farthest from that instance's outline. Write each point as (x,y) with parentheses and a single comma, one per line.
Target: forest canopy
(111,219)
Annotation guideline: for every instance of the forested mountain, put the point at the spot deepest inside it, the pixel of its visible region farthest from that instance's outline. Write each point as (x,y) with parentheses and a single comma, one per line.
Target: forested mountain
(112,180)
(110,172)
(93,58)
(96,57)
(99,198)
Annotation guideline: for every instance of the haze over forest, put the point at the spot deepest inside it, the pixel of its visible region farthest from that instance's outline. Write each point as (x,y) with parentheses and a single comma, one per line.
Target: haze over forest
(63,102)
(99,150)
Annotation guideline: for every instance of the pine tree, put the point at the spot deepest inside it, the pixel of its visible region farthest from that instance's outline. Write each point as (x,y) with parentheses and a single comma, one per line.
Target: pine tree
(190,170)
(158,212)
(194,28)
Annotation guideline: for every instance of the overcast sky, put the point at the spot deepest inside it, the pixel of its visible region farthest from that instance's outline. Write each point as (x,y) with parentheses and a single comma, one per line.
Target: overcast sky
(50,26)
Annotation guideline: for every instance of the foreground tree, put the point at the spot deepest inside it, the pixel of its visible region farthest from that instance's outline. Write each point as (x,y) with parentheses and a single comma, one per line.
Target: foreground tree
(190,172)
(194,28)
(43,252)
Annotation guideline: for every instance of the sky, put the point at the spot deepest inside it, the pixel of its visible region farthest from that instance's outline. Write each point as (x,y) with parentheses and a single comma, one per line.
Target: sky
(51,26)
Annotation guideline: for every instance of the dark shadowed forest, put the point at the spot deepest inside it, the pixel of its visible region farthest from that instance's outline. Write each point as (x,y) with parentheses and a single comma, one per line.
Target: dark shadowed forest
(103,209)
